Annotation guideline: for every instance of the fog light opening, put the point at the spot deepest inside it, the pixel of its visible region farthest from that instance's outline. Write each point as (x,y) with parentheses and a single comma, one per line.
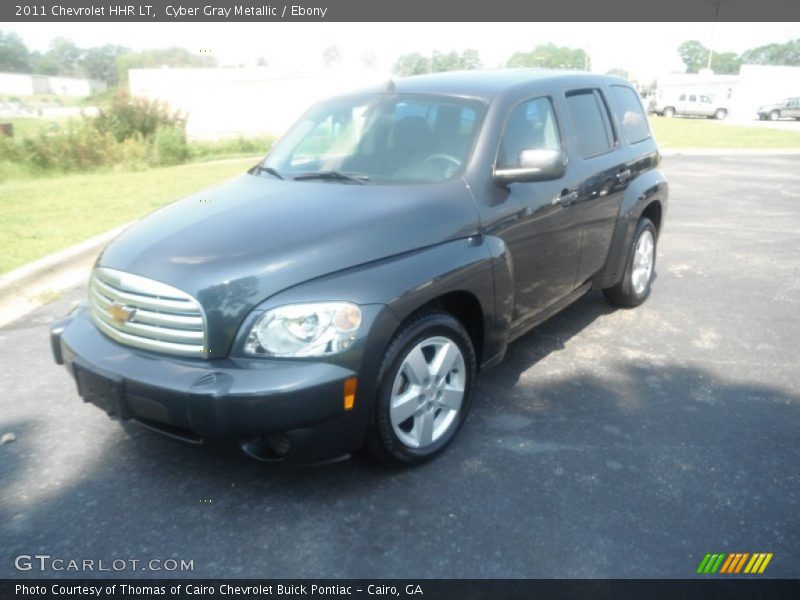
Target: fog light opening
(270,448)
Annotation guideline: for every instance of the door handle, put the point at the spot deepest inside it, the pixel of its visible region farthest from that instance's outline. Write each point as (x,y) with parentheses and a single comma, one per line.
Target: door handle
(624,175)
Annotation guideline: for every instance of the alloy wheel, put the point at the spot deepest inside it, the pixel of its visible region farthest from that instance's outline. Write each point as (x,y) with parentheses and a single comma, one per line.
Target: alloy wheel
(427,392)
(643,259)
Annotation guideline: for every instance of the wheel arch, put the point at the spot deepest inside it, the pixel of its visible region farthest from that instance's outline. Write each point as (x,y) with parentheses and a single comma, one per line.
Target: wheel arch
(646,196)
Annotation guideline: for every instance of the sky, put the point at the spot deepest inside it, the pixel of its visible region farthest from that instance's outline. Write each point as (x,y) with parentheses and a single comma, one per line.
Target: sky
(645,50)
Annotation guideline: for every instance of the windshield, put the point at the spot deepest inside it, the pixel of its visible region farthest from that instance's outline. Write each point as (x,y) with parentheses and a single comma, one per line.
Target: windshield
(380,138)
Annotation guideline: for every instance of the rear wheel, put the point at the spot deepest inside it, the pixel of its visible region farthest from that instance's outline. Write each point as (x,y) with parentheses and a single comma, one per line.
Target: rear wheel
(668,112)
(634,287)
(774,115)
(425,390)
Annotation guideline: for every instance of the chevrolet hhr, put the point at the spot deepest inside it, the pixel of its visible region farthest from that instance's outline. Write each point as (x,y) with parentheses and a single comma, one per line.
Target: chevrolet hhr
(346,291)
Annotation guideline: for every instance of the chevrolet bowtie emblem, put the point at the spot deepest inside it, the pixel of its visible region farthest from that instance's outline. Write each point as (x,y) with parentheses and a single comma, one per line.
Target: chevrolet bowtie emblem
(120,312)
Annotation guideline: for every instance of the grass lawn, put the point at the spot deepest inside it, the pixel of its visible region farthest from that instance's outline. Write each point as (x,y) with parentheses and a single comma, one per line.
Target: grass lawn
(706,133)
(40,216)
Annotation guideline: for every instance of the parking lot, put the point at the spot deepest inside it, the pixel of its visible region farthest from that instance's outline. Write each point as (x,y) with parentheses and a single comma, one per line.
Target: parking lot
(610,443)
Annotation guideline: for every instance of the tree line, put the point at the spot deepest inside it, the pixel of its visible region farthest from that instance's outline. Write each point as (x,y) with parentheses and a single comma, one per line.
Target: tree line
(696,56)
(693,54)
(109,63)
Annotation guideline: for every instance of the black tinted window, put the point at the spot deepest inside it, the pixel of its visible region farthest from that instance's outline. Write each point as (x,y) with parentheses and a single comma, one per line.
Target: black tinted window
(531,126)
(592,126)
(630,114)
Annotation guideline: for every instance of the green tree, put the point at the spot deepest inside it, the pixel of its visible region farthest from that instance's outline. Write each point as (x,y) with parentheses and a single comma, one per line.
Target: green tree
(551,56)
(774,54)
(725,63)
(412,64)
(438,62)
(470,59)
(14,55)
(101,63)
(63,55)
(694,55)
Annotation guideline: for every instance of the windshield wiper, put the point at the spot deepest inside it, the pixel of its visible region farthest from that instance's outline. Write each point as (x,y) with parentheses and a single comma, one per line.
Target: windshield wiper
(262,168)
(333,176)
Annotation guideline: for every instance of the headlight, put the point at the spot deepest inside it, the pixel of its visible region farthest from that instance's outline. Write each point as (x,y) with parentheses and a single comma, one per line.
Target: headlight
(313,329)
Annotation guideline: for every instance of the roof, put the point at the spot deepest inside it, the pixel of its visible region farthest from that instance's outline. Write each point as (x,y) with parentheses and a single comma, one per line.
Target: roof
(488,84)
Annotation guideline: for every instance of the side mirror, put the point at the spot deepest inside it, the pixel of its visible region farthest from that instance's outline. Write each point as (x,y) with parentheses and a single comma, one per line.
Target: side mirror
(534,165)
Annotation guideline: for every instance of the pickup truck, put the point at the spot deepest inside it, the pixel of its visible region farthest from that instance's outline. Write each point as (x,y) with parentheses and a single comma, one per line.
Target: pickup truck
(347,290)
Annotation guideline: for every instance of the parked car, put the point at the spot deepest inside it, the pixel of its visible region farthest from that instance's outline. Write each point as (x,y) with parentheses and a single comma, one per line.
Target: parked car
(788,108)
(693,105)
(348,289)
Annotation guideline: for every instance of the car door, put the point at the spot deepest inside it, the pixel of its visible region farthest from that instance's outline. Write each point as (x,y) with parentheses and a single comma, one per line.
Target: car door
(792,108)
(537,220)
(705,106)
(596,153)
(682,105)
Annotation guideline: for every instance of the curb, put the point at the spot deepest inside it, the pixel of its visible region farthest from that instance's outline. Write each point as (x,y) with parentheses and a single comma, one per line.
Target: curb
(25,289)
(26,274)
(730,152)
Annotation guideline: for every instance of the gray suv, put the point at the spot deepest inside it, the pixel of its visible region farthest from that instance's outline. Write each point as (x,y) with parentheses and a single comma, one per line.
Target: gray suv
(788,108)
(347,290)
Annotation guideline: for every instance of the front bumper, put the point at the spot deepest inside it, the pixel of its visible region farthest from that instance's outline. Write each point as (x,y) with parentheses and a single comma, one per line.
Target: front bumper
(298,404)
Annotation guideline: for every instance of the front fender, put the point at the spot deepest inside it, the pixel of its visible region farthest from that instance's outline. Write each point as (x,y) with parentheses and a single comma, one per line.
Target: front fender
(391,289)
(651,186)
(405,282)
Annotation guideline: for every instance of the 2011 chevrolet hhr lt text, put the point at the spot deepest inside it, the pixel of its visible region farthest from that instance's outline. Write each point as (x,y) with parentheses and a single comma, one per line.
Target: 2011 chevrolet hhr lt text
(345,291)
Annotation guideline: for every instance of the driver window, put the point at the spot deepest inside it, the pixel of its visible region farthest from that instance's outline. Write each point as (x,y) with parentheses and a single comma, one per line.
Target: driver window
(530,126)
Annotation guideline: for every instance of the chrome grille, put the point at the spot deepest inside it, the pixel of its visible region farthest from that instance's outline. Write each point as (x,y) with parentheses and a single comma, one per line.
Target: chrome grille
(146,314)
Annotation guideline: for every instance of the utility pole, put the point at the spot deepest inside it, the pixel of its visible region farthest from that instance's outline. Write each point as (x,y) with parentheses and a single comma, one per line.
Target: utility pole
(716,4)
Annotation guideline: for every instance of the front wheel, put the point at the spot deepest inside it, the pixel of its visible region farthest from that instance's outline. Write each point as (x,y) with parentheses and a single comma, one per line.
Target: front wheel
(634,287)
(720,114)
(425,390)
(668,112)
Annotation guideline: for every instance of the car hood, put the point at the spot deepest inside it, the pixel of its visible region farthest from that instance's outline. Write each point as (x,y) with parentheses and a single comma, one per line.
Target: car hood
(235,245)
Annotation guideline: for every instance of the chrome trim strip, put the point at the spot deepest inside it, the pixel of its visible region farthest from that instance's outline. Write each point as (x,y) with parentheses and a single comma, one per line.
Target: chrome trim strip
(146,344)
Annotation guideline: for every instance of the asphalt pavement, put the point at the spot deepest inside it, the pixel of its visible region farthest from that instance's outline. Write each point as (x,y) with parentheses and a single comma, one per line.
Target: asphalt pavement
(610,443)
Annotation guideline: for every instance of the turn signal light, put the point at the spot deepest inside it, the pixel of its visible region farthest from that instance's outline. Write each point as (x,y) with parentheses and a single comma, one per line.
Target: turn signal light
(350,385)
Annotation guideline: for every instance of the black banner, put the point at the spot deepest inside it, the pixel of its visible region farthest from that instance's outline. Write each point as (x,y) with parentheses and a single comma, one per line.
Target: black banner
(400,11)
(505,589)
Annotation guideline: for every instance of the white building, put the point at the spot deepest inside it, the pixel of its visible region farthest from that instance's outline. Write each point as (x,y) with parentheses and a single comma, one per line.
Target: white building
(226,102)
(22,84)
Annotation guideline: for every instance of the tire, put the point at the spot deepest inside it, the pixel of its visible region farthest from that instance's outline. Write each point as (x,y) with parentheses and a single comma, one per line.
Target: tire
(432,424)
(720,114)
(634,287)
(774,115)
(668,112)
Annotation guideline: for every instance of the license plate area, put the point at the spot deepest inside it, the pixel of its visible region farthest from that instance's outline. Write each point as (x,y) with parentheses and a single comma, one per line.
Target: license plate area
(103,392)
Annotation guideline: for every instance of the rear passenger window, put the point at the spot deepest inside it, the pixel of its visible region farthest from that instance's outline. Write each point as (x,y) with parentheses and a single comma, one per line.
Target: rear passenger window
(592,124)
(630,114)
(531,126)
